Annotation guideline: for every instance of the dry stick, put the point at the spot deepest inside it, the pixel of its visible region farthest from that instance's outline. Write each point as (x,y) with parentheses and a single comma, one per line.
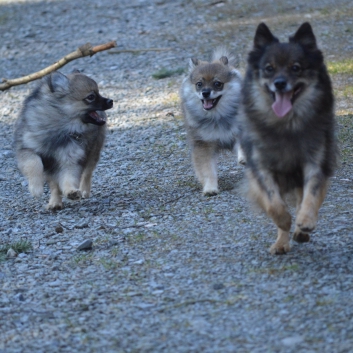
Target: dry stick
(84,50)
(189,302)
(136,50)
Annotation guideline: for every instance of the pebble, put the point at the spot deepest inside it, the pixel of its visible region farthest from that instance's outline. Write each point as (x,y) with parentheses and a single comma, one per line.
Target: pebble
(85,245)
(292,341)
(59,229)
(81,225)
(11,253)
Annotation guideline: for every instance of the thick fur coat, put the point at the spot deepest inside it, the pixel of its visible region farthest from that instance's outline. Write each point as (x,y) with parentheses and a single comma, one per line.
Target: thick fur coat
(210,97)
(288,129)
(59,136)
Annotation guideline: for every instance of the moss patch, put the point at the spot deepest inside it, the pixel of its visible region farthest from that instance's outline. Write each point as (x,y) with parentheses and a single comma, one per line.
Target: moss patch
(341,67)
(21,246)
(345,136)
(163,73)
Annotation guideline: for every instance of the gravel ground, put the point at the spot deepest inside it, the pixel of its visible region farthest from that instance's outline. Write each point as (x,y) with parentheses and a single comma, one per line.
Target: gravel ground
(170,270)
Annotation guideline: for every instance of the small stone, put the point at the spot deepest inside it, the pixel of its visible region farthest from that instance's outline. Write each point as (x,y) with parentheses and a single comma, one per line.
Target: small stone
(56,283)
(218,286)
(85,245)
(8,154)
(145,305)
(293,340)
(114,242)
(59,229)
(11,253)
(20,297)
(81,225)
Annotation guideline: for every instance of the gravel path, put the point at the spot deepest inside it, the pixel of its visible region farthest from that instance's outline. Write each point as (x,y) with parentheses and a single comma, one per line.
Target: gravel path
(170,270)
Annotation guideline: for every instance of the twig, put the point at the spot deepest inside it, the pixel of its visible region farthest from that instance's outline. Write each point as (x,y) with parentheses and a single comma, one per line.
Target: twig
(176,199)
(84,50)
(189,302)
(119,51)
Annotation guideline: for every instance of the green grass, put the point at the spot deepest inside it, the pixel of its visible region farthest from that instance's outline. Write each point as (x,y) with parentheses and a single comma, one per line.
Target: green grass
(345,136)
(3,19)
(341,67)
(348,91)
(163,73)
(21,246)
(82,259)
(277,270)
(109,264)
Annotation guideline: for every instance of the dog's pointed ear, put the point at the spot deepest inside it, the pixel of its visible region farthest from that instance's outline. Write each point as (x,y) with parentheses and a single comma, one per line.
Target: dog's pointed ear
(224,60)
(304,36)
(263,36)
(193,62)
(58,82)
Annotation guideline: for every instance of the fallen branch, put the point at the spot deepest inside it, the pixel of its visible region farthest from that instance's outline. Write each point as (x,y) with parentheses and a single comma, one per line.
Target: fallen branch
(189,302)
(119,51)
(84,50)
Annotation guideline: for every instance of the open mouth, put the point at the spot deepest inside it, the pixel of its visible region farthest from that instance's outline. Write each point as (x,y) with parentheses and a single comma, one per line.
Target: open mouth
(95,118)
(209,104)
(283,101)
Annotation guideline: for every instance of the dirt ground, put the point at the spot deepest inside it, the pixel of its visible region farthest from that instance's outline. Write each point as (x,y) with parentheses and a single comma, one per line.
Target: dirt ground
(170,270)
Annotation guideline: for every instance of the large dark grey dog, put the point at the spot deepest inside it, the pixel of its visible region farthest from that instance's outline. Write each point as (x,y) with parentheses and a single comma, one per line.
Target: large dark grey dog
(288,129)
(59,136)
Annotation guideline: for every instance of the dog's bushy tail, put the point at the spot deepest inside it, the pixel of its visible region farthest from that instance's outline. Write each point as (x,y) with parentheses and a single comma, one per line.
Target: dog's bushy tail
(224,51)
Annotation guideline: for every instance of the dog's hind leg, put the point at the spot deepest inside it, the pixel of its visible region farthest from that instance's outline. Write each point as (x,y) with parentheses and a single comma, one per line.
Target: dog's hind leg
(69,180)
(92,160)
(266,193)
(240,154)
(31,165)
(299,236)
(281,246)
(86,178)
(86,182)
(204,158)
(55,201)
(313,196)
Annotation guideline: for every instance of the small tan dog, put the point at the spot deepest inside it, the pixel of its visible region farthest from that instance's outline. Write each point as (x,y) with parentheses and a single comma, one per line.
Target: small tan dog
(210,98)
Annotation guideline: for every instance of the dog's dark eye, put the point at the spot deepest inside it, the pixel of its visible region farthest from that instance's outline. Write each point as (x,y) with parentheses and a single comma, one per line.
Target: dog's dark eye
(296,68)
(91,97)
(218,85)
(199,84)
(269,68)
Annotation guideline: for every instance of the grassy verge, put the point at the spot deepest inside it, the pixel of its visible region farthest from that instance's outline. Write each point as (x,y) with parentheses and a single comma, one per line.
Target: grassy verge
(21,246)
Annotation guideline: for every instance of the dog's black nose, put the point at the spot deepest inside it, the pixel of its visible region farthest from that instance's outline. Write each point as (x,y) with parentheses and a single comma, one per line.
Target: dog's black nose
(109,103)
(280,83)
(206,93)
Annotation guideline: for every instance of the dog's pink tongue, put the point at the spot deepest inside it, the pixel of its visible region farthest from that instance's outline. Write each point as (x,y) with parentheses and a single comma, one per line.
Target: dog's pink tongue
(282,104)
(207,103)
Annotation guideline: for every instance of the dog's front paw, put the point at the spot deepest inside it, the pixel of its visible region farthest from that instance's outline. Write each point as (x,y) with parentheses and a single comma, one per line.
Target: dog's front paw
(300,237)
(210,192)
(210,188)
(36,189)
(85,194)
(74,194)
(54,206)
(306,222)
(241,156)
(279,248)
(241,159)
